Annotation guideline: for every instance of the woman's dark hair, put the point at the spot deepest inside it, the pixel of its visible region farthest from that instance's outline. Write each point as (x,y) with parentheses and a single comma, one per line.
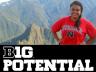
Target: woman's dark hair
(79,4)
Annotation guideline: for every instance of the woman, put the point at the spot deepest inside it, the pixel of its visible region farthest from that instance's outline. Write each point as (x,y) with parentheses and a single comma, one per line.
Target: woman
(74,28)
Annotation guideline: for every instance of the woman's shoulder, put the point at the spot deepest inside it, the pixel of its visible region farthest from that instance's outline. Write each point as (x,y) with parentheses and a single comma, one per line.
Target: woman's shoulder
(85,20)
(65,18)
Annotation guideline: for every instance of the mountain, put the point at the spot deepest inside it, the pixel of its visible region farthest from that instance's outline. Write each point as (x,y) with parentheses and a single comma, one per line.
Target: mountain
(21,20)
(36,36)
(10,25)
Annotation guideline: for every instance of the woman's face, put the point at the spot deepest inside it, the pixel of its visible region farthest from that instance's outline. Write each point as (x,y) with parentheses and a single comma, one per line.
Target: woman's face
(75,12)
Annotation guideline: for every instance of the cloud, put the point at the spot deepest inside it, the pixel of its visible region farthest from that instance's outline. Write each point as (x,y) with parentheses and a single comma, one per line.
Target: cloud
(1,1)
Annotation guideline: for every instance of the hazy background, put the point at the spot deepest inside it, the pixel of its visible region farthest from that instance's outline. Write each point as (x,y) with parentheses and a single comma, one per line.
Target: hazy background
(28,22)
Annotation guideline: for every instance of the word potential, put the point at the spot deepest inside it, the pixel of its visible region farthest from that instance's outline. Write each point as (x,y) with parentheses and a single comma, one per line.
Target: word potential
(17,58)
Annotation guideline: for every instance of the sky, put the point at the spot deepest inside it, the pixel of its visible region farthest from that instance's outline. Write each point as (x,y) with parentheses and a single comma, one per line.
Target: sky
(4,1)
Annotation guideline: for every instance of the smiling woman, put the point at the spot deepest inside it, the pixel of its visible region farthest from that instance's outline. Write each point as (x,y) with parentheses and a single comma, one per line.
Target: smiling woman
(1,1)
(74,28)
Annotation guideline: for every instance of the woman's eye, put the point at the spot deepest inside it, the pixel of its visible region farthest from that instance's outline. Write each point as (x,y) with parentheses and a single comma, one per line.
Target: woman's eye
(75,10)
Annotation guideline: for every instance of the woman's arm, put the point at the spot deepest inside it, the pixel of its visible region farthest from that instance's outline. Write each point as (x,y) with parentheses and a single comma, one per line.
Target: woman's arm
(91,40)
(56,28)
(56,37)
(91,31)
